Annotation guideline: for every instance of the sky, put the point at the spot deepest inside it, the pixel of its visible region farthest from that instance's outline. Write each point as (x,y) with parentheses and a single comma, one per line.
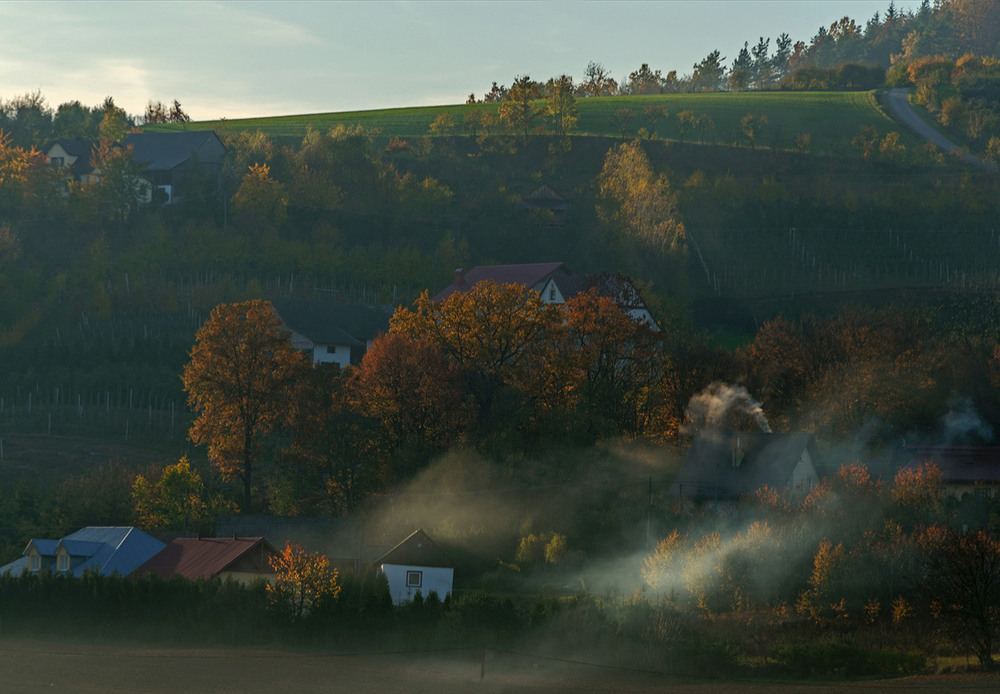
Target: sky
(244,59)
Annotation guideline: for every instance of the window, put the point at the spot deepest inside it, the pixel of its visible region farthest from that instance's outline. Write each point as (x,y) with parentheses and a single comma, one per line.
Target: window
(62,563)
(34,562)
(414,579)
(57,161)
(552,294)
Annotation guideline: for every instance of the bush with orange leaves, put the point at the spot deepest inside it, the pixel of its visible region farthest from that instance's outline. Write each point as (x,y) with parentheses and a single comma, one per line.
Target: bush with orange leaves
(303,579)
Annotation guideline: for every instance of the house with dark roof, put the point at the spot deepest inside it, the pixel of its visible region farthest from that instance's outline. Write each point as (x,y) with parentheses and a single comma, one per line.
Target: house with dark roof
(104,550)
(556,284)
(723,466)
(546,200)
(964,469)
(416,564)
(243,559)
(332,332)
(166,159)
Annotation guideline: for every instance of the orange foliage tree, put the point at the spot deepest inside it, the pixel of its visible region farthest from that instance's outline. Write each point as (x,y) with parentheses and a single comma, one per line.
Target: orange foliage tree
(302,579)
(241,381)
(501,338)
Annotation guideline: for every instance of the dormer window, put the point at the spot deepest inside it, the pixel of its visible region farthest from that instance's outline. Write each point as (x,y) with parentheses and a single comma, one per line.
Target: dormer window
(62,562)
(34,562)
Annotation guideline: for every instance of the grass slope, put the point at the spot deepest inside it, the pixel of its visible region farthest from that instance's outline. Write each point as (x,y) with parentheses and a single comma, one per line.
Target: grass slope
(829,118)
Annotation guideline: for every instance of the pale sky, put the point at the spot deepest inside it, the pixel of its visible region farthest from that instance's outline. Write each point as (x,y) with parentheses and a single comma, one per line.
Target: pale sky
(242,59)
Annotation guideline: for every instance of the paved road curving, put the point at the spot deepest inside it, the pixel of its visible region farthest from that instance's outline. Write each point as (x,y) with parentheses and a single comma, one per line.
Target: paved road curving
(899,106)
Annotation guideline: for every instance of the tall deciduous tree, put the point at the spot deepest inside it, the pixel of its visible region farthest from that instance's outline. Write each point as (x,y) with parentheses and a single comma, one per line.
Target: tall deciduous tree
(560,104)
(302,578)
(241,382)
(636,200)
(518,109)
(499,336)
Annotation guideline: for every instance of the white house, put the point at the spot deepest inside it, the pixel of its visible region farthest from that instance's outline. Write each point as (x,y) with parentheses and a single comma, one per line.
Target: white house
(416,564)
(332,332)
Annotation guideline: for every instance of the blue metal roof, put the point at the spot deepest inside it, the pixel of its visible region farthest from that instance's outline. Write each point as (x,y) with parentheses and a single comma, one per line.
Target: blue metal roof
(104,549)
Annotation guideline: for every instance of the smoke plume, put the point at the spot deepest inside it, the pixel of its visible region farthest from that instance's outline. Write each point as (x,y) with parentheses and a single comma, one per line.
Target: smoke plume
(714,408)
(962,424)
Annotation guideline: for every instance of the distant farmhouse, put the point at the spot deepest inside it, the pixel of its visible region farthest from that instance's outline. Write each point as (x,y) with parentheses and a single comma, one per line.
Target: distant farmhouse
(166,160)
(556,284)
(104,550)
(331,332)
(416,564)
(545,199)
(723,466)
(964,469)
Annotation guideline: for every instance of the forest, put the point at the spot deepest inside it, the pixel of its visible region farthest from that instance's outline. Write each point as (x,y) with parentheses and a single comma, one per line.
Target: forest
(842,275)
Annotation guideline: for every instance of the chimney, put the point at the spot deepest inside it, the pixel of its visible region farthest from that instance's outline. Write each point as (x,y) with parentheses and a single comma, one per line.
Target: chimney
(459,275)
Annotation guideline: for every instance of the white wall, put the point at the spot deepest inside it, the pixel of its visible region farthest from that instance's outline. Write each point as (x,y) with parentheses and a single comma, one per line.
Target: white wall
(431,578)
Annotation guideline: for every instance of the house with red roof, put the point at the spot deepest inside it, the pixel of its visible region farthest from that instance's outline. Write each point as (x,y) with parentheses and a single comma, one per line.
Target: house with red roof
(556,284)
(416,564)
(243,559)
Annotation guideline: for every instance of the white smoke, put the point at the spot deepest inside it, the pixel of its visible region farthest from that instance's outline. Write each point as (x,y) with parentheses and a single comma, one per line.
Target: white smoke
(962,424)
(710,409)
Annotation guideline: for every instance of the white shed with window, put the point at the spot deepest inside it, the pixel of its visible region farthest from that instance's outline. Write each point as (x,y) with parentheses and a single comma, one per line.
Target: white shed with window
(416,564)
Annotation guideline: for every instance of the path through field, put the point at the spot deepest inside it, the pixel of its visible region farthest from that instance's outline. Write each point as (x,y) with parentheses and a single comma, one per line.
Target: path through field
(899,105)
(28,665)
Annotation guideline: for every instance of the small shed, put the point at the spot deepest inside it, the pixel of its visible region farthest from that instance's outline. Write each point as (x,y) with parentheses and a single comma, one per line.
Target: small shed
(416,564)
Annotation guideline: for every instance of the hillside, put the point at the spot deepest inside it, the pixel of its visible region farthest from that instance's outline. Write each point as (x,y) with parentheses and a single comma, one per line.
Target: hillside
(830,118)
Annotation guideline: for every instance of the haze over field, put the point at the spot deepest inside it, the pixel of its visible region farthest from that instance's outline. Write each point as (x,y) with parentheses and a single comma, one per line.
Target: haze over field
(243,59)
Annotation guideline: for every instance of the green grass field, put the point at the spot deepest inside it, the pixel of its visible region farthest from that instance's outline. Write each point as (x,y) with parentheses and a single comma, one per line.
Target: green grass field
(829,118)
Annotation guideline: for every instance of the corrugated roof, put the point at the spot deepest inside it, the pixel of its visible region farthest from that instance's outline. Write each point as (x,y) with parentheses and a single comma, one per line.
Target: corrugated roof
(764,459)
(204,557)
(416,550)
(330,323)
(107,550)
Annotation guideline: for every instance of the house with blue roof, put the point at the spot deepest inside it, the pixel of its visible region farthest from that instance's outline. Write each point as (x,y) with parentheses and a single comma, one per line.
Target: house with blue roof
(104,550)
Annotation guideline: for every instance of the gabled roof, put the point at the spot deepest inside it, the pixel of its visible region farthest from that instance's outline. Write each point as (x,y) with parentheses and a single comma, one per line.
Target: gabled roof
(330,323)
(960,464)
(416,550)
(726,465)
(544,198)
(532,275)
(204,557)
(165,151)
(105,550)
(81,149)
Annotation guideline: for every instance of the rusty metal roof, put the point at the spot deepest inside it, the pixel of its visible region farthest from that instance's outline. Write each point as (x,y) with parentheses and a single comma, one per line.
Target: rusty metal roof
(204,557)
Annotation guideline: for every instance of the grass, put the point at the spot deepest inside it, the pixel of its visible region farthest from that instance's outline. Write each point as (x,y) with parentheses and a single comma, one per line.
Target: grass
(829,118)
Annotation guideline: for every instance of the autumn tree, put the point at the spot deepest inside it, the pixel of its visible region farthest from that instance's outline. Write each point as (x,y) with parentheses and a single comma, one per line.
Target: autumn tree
(119,187)
(499,336)
(635,200)
(518,109)
(261,203)
(616,358)
(175,500)
(560,104)
(414,395)
(302,580)
(241,382)
(598,81)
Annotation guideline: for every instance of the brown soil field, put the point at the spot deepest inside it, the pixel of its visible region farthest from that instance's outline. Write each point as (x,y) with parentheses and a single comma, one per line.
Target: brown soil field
(29,665)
